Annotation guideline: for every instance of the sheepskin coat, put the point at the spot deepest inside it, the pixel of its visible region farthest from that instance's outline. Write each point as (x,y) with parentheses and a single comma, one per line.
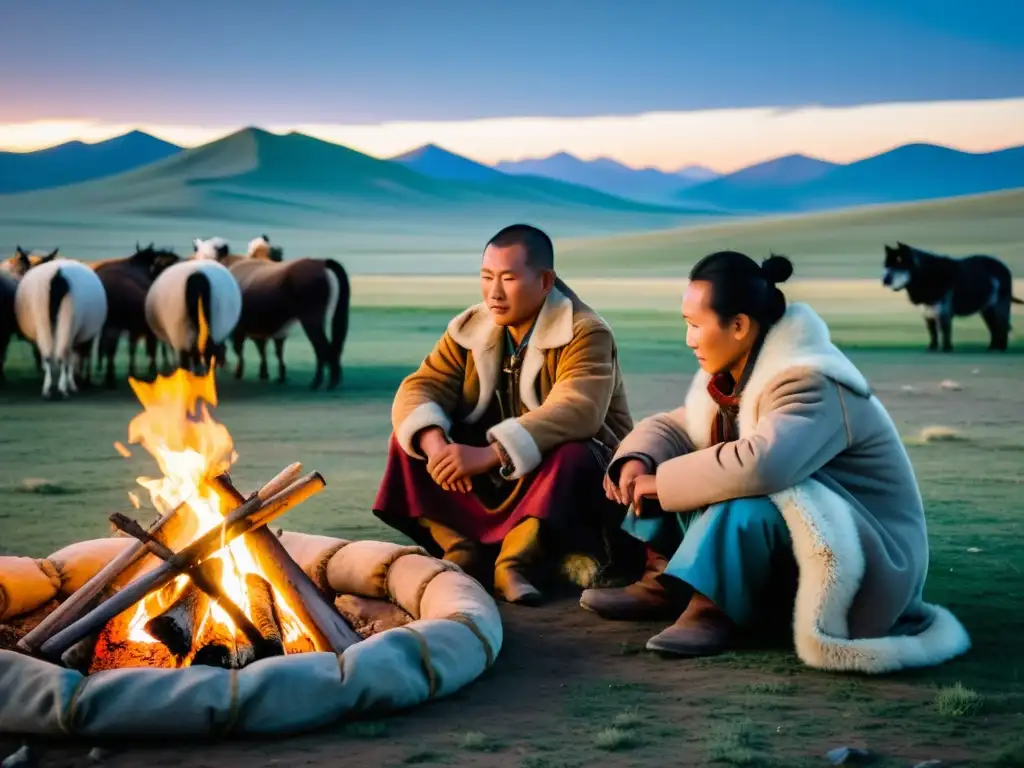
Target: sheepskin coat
(821,446)
(570,384)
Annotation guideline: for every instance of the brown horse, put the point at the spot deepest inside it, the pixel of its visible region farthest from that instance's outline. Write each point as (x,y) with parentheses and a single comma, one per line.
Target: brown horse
(11,272)
(276,294)
(126,281)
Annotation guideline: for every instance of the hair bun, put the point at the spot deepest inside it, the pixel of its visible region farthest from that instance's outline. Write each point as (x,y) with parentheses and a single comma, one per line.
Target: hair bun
(777,269)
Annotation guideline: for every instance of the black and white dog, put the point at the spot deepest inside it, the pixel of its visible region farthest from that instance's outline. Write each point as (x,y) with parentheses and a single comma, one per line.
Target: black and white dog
(948,287)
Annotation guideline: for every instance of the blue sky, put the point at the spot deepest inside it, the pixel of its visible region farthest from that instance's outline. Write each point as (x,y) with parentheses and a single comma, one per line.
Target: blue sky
(732,82)
(352,62)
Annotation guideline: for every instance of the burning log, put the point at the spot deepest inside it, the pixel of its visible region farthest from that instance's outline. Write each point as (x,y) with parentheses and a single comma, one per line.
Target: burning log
(207,576)
(331,631)
(264,615)
(176,626)
(174,528)
(250,516)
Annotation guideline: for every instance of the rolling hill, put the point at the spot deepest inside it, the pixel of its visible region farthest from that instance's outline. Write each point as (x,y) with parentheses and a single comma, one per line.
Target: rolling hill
(907,173)
(834,244)
(437,163)
(77,161)
(645,184)
(311,196)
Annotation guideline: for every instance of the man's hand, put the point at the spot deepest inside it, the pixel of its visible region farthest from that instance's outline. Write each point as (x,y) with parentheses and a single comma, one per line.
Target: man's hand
(432,442)
(623,492)
(454,465)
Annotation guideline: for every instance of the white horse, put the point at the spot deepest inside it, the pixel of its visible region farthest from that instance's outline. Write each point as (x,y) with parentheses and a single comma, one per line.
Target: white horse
(61,306)
(173,306)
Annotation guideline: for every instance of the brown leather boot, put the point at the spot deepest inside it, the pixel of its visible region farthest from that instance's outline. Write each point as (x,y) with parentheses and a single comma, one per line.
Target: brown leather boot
(642,600)
(458,549)
(520,552)
(702,630)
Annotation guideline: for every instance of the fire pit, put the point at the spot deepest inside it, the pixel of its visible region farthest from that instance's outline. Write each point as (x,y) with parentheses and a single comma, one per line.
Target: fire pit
(206,622)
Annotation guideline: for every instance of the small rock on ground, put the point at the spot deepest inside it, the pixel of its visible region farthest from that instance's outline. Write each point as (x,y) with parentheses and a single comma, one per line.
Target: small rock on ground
(23,758)
(847,755)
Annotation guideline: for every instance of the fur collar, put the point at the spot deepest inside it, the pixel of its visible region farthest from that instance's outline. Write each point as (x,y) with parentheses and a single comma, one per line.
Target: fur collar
(799,340)
(476,331)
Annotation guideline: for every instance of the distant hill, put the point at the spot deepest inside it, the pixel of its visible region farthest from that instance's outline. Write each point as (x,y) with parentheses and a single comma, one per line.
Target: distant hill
(831,244)
(256,176)
(697,173)
(437,163)
(645,184)
(77,161)
(904,174)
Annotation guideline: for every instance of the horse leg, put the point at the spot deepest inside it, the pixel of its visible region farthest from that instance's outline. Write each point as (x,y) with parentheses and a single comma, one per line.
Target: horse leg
(261,348)
(151,342)
(933,332)
(238,344)
(946,327)
(185,360)
(49,374)
(997,320)
(107,350)
(133,345)
(5,339)
(313,326)
(38,358)
(63,366)
(279,351)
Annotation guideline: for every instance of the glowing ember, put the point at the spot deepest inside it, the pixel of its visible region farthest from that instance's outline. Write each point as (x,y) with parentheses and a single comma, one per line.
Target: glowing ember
(191,448)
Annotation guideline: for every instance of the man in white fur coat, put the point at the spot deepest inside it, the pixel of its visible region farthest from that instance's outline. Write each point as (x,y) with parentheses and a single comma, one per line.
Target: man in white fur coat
(780,493)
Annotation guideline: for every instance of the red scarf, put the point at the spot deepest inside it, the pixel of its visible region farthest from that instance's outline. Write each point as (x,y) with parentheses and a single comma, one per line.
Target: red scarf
(726,394)
(724,428)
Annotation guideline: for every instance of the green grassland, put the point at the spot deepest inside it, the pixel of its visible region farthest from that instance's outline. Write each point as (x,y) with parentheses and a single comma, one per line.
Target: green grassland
(60,478)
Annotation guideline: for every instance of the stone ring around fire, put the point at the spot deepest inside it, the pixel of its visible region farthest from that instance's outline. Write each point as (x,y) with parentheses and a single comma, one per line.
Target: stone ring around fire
(429,630)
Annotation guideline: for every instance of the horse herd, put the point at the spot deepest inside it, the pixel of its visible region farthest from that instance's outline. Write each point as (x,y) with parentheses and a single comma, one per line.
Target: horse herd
(188,307)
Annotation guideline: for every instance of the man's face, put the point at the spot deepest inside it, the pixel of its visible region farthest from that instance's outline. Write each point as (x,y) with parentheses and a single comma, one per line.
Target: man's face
(513,291)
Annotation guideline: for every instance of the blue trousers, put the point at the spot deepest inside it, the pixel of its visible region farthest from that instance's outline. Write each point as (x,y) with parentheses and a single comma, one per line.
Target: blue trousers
(736,553)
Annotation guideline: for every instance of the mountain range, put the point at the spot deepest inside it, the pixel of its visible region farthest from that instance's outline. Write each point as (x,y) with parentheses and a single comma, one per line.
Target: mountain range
(137,172)
(253,175)
(77,161)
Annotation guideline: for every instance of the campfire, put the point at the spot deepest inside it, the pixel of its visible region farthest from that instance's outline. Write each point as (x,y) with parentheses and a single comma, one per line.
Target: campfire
(207,583)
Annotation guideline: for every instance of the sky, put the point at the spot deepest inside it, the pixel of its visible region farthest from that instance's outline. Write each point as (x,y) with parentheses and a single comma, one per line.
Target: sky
(694,81)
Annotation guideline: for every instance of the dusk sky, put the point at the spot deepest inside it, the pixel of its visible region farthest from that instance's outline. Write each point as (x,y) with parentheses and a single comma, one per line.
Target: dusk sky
(194,69)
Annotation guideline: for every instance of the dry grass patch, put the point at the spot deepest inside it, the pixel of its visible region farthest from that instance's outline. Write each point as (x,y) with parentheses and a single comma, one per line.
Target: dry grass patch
(958,701)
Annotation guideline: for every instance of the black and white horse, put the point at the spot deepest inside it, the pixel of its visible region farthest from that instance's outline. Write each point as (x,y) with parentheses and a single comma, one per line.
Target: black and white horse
(949,287)
(60,305)
(182,294)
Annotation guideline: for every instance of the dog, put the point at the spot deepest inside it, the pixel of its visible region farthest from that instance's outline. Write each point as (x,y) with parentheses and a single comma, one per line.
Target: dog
(949,287)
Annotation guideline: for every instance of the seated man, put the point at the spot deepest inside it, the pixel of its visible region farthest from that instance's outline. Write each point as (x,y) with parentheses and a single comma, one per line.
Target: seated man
(504,432)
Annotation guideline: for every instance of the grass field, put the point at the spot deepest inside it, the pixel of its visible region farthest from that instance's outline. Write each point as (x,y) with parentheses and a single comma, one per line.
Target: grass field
(568,689)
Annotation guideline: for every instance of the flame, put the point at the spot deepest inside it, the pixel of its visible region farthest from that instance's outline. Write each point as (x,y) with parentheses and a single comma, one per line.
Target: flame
(191,448)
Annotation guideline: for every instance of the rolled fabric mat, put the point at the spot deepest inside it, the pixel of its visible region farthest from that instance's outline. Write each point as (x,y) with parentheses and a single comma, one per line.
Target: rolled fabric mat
(79,562)
(25,584)
(455,639)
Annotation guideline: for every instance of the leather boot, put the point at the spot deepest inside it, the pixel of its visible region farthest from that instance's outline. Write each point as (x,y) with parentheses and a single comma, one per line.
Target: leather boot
(458,549)
(520,552)
(703,629)
(642,600)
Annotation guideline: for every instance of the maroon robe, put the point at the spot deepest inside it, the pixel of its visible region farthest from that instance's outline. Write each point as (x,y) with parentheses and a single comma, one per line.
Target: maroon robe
(565,491)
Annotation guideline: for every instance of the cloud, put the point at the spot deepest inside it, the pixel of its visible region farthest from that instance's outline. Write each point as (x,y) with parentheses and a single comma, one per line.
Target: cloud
(724,139)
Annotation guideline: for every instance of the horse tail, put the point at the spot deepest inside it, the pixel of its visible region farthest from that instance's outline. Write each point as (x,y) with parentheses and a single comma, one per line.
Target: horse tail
(62,315)
(1015,300)
(198,308)
(340,293)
